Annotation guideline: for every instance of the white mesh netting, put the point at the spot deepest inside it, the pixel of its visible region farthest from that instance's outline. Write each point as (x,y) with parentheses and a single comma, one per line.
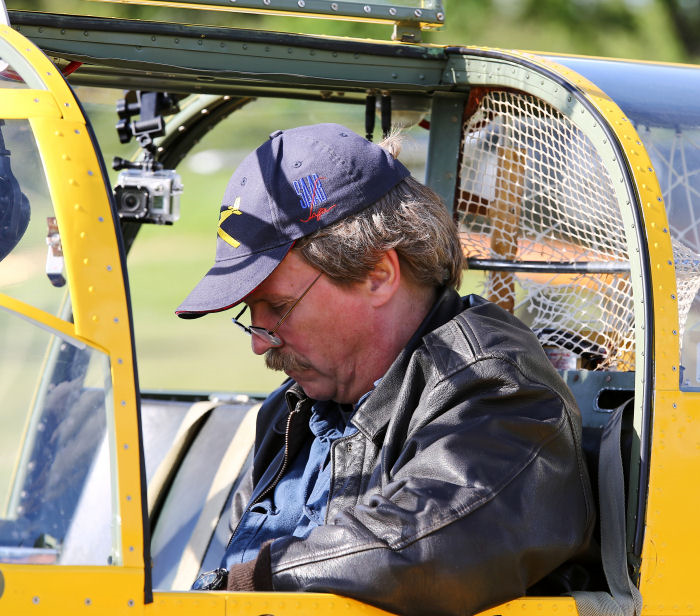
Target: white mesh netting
(537,210)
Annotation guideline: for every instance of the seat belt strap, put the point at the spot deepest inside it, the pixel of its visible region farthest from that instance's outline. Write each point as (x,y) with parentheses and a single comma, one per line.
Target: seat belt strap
(624,598)
(229,468)
(196,414)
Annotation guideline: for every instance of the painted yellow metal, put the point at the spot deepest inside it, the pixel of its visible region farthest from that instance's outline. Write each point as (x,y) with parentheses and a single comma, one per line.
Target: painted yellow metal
(99,301)
(302,604)
(167,603)
(39,316)
(48,73)
(669,574)
(94,271)
(37,103)
(55,590)
(254,604)
(560,606)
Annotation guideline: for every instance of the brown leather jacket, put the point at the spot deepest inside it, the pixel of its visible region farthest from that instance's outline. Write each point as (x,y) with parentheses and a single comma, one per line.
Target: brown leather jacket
(464,485)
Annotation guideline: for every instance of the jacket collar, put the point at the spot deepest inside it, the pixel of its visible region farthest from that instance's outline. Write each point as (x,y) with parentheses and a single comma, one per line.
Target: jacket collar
(373,416)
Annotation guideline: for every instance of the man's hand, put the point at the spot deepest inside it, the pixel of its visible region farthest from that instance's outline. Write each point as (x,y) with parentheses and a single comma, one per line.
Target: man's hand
(253,575)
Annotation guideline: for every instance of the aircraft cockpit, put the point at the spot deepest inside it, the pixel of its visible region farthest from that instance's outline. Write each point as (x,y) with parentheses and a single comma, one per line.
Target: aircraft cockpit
(573,181)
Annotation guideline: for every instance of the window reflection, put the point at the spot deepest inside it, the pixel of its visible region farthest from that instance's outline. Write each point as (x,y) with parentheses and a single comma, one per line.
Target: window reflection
(55,463)
(9,78)
(675,154)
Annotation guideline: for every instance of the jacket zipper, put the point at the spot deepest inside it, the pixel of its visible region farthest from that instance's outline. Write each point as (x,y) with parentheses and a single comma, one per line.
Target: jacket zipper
(273,483)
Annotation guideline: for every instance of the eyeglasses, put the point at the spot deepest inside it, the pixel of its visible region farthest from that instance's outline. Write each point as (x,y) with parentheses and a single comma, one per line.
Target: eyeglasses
(269,335)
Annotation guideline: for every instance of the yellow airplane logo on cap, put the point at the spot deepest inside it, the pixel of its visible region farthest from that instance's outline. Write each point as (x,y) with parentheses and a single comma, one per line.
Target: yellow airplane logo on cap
(231,209)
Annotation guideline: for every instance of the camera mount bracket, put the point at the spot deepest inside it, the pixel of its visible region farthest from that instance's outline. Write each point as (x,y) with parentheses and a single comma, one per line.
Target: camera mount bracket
(145,191)
(151,106)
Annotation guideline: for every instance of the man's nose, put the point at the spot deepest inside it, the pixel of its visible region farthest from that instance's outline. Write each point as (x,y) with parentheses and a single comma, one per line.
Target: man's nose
(259,345)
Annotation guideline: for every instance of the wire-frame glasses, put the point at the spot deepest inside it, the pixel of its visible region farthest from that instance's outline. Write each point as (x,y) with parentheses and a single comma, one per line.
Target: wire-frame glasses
(269,335)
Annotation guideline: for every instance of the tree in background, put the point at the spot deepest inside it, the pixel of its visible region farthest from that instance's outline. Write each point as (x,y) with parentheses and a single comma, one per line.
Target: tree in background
(638,29)
(685,16)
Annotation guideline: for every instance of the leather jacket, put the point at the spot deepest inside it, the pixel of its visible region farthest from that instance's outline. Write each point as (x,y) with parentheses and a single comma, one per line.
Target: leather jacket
(464,485)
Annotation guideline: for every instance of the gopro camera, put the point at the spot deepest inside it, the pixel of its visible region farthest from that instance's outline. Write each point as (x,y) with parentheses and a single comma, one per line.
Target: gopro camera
(149,196)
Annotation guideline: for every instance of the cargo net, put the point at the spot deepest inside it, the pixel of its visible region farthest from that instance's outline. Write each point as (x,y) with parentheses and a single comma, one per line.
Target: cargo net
(537,211)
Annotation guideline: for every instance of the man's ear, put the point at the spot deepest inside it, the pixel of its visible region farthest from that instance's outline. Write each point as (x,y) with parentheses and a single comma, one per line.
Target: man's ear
(383,281)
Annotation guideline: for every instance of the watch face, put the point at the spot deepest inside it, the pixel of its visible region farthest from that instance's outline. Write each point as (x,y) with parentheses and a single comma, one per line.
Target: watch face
(211,580)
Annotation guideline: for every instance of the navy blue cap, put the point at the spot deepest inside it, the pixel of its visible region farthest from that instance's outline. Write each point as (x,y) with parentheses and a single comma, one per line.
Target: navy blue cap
(299,181)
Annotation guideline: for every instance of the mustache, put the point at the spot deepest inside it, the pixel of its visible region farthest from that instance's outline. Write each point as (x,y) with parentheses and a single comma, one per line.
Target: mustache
(276,359)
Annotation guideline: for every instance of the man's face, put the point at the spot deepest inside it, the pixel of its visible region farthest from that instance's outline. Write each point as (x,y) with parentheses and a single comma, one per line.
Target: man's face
(325,337)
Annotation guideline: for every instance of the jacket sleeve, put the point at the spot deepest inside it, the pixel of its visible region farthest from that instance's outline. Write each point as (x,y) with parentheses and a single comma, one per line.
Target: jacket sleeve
(476,494)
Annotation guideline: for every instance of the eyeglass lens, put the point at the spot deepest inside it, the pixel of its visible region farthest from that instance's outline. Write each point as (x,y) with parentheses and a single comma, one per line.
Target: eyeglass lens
(268,335)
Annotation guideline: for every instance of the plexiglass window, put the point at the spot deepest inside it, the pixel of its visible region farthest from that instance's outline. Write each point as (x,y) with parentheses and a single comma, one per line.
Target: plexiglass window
(56,505)
(675,152)
(9,77)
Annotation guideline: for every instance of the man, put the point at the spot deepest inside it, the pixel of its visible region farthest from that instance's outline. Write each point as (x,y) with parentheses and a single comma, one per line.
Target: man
(423,455)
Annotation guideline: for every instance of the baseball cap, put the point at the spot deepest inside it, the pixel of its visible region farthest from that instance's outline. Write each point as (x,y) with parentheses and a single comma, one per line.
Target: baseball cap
(300,180)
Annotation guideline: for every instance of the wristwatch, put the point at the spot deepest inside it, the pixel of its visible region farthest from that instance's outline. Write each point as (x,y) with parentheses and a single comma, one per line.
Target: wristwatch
(211,580)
